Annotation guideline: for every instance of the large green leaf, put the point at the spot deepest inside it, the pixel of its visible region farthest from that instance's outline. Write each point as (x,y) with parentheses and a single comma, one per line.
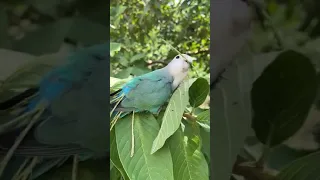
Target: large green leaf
(230,114)
(114,155)
(173,114)
(205,143)
(198,92)
(282,97)
(187,165)
(11,61)
(142,165)
(306,168)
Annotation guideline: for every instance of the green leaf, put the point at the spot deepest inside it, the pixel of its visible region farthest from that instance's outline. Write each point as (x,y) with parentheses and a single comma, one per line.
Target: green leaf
(114,155)
(137,57)
(198,92)
(305,168)
(115,12)
(192,131)
(187,167)
(282,97)
(205,143)
(114,173)
(125,73)
(282,155)
(204,117)
(142,165)
(87,170)
(30,74)
(116,84)
(230,114)
(12,60)
(114,47)
(173,114)
(140,71)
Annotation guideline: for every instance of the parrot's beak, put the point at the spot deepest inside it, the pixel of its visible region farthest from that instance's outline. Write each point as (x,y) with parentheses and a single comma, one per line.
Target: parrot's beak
(188,58)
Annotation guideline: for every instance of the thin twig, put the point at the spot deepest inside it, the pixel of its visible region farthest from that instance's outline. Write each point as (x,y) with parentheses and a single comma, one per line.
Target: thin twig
(250,172)
(189,116)
(204,51)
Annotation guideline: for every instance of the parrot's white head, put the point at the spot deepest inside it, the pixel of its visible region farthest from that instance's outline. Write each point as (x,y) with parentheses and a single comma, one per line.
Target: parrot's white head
(178,68)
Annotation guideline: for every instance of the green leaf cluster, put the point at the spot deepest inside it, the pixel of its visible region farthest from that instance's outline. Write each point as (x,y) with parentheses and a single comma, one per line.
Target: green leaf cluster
(168,146)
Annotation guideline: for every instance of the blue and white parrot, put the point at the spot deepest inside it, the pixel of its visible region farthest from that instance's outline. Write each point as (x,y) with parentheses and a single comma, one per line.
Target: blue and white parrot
(74,120)
(149,92)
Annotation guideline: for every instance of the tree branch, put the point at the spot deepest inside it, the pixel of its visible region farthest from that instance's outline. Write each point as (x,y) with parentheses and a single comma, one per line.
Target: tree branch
(250,172)
(189,117)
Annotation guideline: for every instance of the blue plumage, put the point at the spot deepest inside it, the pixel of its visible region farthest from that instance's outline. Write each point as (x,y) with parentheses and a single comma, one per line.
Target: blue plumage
(75,122)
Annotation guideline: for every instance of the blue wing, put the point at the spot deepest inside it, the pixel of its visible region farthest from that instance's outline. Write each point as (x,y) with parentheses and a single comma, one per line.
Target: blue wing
(84,74)
(146,93)
(78,68)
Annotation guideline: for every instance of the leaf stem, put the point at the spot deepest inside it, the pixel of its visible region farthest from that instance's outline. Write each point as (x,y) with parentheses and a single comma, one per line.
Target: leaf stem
(260,164)
(75,167)
(132,136)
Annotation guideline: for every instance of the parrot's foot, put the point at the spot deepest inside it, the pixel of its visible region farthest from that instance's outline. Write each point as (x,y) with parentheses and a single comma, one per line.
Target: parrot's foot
(156,111)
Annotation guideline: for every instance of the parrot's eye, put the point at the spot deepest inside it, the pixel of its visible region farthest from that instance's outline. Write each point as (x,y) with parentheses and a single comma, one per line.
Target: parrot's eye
(177,57)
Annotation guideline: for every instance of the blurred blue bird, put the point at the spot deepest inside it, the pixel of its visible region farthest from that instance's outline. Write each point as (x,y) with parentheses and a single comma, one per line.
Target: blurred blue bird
(74,120)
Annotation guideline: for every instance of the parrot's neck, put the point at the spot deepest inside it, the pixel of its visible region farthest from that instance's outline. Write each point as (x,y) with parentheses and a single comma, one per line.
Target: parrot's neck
(178,76)
(178,79)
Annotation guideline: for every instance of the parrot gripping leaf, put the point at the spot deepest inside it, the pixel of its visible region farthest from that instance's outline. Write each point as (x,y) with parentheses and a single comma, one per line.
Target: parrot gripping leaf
(149,92)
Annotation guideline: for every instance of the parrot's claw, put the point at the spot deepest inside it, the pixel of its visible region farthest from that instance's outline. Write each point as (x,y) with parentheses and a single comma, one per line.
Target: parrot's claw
(156,111)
